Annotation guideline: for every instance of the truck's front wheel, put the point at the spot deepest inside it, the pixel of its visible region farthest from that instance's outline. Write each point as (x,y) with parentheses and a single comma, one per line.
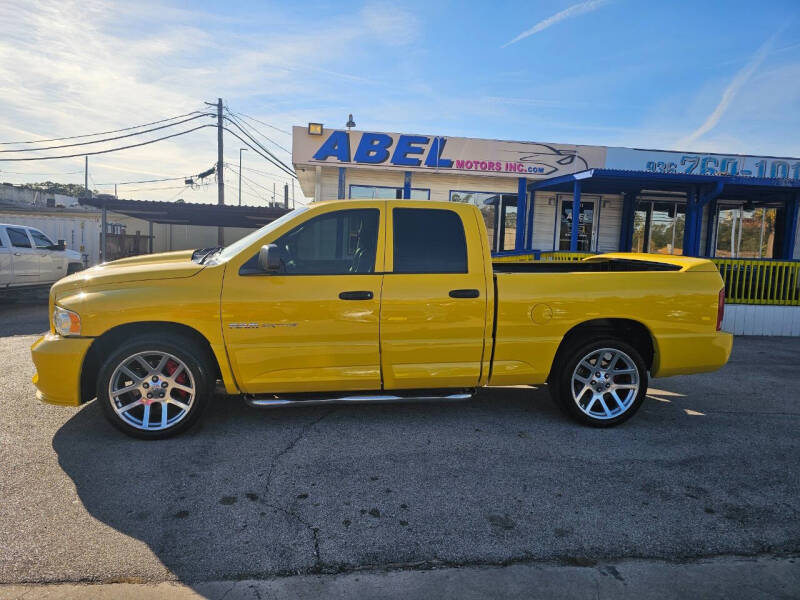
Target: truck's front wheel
(601,383)
(151,388)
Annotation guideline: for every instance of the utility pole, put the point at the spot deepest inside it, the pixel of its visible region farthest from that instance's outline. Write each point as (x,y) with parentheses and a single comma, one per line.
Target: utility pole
(220,171)
(273,193)
(286,196)
(86,174)
(292,193)
(115,191)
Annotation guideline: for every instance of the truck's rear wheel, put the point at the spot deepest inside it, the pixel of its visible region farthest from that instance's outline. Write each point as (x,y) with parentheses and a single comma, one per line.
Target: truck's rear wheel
(600,383)
(151,388)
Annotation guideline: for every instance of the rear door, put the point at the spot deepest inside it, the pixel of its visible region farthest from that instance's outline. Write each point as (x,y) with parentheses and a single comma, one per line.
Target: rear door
(26,262)
(433,310)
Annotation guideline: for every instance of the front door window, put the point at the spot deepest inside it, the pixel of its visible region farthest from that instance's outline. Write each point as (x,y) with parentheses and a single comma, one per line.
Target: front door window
(586,225)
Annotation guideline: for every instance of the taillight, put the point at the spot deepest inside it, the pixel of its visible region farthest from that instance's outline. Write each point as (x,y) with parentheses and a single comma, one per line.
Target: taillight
(720,308)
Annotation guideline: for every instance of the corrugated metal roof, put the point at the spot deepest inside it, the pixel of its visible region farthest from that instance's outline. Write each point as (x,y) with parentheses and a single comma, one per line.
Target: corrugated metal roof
(186,213)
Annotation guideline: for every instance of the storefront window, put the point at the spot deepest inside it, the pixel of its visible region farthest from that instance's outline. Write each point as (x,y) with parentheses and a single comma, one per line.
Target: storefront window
(381,192)
(504,223)
(745,231)
(658,227)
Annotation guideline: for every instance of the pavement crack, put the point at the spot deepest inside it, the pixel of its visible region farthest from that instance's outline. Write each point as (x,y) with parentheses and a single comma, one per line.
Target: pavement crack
(318,564)
(290,446)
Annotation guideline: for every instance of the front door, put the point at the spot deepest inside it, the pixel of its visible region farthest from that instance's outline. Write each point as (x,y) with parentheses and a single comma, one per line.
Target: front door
(587,230)
(313,326)
(24,258)
(433,313)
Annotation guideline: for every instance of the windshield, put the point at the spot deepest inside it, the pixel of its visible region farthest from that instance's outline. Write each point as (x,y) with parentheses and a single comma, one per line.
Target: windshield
(236,247)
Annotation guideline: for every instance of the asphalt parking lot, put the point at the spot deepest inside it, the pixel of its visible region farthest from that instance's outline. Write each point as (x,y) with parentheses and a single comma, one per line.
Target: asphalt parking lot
(709,467)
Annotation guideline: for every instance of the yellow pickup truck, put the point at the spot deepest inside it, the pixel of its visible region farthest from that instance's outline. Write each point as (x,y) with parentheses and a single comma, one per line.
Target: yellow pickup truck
(372,301)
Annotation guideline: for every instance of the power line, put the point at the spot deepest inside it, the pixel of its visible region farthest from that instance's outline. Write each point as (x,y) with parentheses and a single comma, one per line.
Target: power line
(241,114)
(166,137)
(264,156)
(74,137)
(38,173)
(249,193)
(142,181)
(266,174)
(246,178)
(275,160)
(156,189)
(256,130)
(117,137)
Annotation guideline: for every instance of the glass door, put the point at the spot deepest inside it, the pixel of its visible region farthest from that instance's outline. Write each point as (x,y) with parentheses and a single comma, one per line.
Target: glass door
(499,213)
(587,228)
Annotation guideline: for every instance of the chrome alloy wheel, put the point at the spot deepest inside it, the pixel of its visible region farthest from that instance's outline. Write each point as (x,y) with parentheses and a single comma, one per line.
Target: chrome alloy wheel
(152,391)
(605,383)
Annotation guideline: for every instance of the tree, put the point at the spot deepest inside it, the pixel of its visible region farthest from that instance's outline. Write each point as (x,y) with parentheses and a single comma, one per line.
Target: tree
(67,189)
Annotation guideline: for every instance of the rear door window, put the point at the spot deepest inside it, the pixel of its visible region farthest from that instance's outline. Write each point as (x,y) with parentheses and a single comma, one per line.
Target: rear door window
(428,241)
(18,237)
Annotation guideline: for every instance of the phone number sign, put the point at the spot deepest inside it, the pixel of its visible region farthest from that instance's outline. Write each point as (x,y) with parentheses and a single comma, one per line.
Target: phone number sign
(703,164)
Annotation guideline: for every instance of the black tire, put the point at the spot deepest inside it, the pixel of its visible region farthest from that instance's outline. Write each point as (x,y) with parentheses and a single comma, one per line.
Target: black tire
(74,268)
(561,384)
(186,350)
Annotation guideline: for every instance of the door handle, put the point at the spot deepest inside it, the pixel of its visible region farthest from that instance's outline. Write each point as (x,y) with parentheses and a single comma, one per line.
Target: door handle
(356,295)
(464,293)
(17,253)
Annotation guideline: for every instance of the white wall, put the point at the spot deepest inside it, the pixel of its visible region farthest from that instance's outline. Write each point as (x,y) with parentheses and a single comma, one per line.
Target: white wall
(17,195)
(81,232)
(177,237)
(748,319)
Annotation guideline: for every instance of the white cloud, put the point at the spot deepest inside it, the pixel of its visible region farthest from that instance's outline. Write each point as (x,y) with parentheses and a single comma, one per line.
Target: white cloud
(567,13)
(70,67)
(739,80)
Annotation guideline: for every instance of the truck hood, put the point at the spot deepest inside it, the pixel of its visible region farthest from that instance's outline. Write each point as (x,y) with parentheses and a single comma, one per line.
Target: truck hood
(167,265)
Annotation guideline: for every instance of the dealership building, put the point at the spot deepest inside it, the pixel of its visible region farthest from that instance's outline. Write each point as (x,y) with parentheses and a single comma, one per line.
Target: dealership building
(739,210)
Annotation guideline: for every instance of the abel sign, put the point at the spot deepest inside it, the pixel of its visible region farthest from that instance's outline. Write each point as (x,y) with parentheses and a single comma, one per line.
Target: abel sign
(408,152)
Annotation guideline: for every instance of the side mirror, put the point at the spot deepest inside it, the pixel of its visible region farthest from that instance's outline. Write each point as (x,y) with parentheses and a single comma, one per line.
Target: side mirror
(269,258)
(61,245)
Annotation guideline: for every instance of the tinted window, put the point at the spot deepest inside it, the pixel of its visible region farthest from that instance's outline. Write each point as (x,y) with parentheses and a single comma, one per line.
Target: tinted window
(18,237)
(338,243)
(40,240)
(428,241)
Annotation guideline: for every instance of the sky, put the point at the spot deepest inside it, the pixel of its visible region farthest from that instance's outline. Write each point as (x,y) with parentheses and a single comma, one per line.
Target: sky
(719,76)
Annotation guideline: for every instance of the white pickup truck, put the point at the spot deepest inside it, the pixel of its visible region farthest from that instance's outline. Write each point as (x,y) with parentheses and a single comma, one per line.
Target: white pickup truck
(29,259)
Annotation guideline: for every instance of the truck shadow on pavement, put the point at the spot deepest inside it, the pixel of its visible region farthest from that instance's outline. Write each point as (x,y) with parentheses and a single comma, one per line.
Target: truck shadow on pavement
(501,478)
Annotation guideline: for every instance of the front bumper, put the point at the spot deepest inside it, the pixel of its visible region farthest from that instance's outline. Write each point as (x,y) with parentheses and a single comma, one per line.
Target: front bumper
(59,361)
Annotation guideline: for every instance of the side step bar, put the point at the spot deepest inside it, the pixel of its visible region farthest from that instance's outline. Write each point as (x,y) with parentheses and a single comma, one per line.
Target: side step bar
(274,400)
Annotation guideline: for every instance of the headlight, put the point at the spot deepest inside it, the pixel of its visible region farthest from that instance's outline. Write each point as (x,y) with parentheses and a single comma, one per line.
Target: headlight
(66,322)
